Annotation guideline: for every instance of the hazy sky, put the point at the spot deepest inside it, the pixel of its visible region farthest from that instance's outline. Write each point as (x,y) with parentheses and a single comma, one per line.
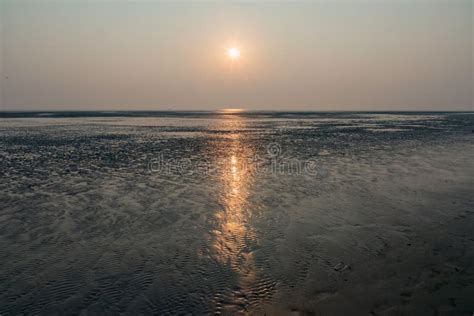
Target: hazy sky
(313,55)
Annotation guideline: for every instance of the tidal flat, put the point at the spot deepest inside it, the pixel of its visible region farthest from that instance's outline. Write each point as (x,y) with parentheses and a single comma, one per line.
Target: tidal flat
(258,213)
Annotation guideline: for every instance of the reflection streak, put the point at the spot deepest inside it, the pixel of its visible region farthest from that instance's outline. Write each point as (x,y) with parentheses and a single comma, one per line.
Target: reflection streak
(234,237)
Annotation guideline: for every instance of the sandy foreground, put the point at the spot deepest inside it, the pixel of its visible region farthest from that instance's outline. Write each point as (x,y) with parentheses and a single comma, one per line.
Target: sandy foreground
(325,215)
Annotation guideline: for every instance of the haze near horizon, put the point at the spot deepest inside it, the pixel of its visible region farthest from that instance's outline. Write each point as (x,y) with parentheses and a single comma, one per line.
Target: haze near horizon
(152,55)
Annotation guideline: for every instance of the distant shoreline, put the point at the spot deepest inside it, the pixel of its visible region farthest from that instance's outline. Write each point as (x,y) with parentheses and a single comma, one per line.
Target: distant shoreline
(184,113)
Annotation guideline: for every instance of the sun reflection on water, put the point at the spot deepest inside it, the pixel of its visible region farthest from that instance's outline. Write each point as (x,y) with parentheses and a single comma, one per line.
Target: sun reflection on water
(234,236)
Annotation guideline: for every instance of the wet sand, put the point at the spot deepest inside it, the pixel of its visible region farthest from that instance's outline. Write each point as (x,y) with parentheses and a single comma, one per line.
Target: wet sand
(326,214)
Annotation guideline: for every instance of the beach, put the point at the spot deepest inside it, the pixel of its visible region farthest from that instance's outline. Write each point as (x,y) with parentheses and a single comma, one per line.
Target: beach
(250,212)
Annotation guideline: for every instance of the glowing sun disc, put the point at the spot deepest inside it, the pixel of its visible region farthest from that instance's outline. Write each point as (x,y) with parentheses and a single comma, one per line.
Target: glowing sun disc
(233,53)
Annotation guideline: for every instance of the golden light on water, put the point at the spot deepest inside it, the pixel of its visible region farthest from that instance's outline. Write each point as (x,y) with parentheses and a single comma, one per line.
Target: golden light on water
(232,110)
(234,215)
(233,232)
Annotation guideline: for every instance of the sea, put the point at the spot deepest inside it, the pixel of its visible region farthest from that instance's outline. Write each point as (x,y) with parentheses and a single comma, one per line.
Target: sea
(237,212)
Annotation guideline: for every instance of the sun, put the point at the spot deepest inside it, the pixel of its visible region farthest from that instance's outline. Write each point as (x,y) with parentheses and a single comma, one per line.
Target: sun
(233,53)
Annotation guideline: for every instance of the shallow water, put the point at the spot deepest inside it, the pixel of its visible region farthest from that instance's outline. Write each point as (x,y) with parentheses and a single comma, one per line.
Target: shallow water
(326,213)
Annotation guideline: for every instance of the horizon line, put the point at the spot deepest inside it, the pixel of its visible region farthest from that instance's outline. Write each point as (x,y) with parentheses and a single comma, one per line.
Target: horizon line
(234,111)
